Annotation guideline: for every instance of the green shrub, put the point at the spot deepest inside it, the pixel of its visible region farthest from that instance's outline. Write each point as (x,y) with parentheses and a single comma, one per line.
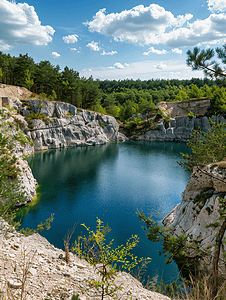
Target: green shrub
(39,115)
(159,114)
(168,118)
(191,115)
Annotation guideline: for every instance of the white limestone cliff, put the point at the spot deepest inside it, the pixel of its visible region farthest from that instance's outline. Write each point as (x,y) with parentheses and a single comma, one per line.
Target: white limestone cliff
(200,208)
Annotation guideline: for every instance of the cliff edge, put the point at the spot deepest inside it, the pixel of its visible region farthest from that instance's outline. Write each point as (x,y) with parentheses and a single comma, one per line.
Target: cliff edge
(198,215)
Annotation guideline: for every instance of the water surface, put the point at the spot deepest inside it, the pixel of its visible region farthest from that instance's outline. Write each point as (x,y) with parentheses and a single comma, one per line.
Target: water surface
(109,182)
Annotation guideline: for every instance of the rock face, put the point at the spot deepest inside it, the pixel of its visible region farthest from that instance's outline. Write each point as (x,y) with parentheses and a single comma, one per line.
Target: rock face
(65,126)
(177,130)
(14,92)
(199,208)
(61,125)
(48,274)
(9,123)
(182,108)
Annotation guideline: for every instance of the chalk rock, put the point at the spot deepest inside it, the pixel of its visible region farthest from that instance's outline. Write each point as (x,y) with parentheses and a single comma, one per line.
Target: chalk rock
(199,208)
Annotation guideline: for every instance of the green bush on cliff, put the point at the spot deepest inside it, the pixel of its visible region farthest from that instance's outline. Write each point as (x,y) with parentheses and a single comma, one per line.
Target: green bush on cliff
(39,115)
(11,191)
(207,147)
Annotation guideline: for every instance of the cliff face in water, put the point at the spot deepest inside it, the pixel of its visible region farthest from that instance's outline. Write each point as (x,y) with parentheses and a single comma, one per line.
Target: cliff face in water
(177,130)
(65,125)
(199,210)
(180,126)
(48,275)
(52,125)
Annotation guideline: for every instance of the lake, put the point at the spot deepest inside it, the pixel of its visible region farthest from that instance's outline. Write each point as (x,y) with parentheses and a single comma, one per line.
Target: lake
(110,182)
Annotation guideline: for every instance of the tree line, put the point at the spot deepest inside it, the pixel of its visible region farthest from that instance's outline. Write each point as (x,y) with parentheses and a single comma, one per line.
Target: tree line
(121,98)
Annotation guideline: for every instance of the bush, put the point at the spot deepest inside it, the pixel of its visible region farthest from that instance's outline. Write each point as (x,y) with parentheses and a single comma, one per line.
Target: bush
(191,115)
(168,118)
(160,113)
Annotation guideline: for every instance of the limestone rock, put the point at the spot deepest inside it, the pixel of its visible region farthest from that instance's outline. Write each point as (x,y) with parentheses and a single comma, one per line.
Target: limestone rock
(178,129)
(49,276)
(66,126)
(192,216)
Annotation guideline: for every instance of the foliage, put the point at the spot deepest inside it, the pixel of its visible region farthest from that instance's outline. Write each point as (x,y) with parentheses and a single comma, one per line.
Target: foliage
(218,101)
(207,147)
(10,190)
(191,114)
(1,75)
(167,118)
(159,114)
(106,260)
(134,122)
(28,81)
(39,115)
(202,60)
(173,247)
(121,98)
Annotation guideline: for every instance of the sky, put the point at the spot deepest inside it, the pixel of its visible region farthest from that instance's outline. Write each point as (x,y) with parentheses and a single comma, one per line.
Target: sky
(117,39)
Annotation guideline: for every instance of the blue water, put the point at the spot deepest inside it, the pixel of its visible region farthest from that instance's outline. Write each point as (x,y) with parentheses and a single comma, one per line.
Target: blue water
(109,182)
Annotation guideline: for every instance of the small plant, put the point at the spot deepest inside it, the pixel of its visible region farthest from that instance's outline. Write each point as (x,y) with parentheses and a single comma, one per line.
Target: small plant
(106,260)
(102,124)
(32,95)
(167,118)
(69,114)
(191,115)
(159,115)
(134,123)
(36,116)
(75,297)
(23,139)
(43,96)
(53,96)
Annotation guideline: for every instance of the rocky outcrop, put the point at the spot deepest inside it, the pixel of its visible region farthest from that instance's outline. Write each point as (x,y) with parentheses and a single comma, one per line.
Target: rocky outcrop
(177,130)
(63,125)
(182,108)
(48,274)
(14,92)
(9,122)
(198,210)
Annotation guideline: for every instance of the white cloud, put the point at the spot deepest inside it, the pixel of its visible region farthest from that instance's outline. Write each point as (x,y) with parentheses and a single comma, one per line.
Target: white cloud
(118,66)
(161,66)
(154,25)
(55,54)
(20,25)
(177,51)
(108,53)
(145,70)
(155,51)
(74,49)
(143,25)
(70,39)
(216,5)
(211,29)
(93,46)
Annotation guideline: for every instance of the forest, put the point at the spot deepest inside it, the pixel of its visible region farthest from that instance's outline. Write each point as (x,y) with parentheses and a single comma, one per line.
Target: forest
(121,98)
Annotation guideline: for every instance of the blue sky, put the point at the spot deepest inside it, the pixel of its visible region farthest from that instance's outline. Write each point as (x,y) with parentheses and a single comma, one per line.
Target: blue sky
(113,39)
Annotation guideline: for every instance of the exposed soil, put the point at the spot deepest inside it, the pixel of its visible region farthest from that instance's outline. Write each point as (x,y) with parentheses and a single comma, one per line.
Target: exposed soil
(14,92)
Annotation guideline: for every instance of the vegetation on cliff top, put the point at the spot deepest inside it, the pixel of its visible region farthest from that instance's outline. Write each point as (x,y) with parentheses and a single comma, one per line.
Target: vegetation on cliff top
(121,98)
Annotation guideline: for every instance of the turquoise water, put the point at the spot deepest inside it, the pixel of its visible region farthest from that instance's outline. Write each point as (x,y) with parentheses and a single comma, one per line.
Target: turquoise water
(109,182)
